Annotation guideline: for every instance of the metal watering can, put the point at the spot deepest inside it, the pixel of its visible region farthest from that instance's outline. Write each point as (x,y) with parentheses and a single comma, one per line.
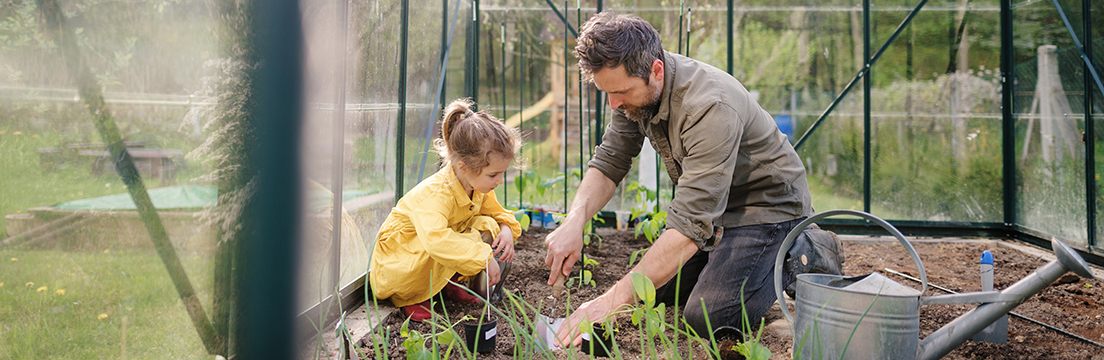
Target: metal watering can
(873,317)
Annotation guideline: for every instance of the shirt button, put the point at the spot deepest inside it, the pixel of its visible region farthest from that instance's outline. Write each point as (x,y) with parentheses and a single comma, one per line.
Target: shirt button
(471,207)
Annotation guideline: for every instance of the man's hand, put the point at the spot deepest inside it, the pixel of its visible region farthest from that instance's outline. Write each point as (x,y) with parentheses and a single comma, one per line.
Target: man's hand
(594,311)
(565,247)
(504,245)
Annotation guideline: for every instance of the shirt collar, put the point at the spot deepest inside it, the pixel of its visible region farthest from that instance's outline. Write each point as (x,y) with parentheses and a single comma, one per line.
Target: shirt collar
(456,187)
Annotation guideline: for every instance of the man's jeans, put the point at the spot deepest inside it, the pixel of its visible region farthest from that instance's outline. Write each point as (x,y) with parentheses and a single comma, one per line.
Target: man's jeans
(743,259)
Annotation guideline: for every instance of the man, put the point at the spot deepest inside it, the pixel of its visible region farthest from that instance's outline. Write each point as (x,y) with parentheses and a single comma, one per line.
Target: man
(740,185)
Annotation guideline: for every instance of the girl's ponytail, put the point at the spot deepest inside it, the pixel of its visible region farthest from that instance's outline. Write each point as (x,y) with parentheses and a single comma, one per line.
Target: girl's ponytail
(469,137)
(454,113)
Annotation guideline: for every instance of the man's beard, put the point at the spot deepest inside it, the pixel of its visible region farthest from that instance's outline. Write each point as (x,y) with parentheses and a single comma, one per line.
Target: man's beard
(642,113)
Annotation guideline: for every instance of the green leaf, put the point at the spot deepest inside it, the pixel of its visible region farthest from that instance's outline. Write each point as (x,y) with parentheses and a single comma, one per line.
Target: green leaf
(644,288)
(447,337)
(587,275)
(586,327)
(752,350)
(523,219)
(635,254)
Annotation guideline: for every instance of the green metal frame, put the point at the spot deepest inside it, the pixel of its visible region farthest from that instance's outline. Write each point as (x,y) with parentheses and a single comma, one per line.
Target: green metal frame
(267,264)
(266,299)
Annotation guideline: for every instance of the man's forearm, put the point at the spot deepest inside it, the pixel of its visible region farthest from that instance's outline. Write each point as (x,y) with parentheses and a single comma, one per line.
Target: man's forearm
(660,264)
(594,192)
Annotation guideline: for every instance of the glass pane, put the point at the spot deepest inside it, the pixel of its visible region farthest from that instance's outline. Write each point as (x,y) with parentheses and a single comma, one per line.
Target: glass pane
(423,72)
(935,113)
(81,271)
(1049,151)
(371,120)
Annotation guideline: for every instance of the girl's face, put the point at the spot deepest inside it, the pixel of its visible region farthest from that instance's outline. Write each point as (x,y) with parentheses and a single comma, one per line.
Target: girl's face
(490,177)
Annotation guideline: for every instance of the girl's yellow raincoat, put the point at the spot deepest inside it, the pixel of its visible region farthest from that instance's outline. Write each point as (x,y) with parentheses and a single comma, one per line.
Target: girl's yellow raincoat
(432,234)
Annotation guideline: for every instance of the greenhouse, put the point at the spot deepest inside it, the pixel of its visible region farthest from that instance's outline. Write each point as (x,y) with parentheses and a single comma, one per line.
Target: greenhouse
(215,179)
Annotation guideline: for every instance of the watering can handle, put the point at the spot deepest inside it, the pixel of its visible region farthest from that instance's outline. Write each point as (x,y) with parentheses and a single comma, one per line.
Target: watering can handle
(778,290)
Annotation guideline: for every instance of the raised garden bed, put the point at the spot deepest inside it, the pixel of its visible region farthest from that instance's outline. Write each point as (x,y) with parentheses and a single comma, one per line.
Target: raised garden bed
(1073,304)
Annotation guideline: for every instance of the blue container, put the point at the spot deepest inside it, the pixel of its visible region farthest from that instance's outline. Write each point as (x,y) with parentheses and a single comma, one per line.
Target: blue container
(785,125)
(549,222)
(536,217)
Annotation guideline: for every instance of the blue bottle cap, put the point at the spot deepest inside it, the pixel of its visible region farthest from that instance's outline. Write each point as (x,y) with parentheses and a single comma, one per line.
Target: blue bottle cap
(987,257)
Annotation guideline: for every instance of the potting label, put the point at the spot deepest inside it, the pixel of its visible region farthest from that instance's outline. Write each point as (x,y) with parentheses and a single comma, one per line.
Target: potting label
(490,333)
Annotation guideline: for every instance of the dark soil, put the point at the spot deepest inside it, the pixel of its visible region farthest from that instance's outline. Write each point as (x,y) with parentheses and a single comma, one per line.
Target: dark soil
(1072,303)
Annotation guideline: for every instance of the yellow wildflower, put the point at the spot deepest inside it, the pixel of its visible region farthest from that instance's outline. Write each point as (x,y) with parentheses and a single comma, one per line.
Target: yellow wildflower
(107,251)
(2,132)
(41,289)
(1,284)
(15,259)
(35,136)
(60,292)
(29,284)
(17,133)
(102,316)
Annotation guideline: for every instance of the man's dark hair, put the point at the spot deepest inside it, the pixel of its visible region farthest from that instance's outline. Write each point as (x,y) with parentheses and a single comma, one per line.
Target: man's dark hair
(608,40)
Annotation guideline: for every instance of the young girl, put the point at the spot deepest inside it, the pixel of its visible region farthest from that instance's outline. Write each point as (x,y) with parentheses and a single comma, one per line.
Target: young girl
(449,223)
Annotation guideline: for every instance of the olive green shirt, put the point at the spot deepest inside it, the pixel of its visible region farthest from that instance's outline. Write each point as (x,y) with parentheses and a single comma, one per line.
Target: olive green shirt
(731,164)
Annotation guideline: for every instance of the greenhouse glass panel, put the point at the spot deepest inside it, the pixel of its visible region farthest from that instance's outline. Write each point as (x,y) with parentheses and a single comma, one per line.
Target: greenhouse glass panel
(1049,151)
(371,116)
(935,112)
(93,259)
(423,73)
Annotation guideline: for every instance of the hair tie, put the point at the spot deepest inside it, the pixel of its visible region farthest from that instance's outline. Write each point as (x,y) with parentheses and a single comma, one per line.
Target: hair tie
(469,113)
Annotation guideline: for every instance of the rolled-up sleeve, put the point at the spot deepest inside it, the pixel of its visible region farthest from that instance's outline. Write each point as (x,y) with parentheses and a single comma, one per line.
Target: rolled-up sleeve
(492,208)
(711,138)
(620,144)
(464,252)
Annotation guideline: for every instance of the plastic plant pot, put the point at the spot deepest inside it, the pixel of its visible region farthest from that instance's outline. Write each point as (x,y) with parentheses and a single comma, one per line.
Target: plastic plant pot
(481,336)
(727,337)
(598,343)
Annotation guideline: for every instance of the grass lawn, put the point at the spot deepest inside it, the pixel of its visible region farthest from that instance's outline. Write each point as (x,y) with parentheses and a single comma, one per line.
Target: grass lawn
(824,199)
(26,185)
(85,305)
(73,305)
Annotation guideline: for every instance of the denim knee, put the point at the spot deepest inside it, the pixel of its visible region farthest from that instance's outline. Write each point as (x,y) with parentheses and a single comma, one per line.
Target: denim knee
(696,319)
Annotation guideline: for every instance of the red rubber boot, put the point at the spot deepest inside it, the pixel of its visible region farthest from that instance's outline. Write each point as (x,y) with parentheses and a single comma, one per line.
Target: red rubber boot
(418,312)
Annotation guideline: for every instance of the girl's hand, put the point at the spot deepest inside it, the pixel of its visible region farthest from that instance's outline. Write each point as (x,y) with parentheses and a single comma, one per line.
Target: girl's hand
(504,245)
(494,273)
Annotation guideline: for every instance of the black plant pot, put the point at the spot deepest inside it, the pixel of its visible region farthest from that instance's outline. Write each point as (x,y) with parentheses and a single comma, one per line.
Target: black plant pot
(481,336)
(726,337)
(599,343)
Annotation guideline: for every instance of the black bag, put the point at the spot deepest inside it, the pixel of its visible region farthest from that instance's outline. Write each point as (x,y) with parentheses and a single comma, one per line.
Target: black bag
(815,251)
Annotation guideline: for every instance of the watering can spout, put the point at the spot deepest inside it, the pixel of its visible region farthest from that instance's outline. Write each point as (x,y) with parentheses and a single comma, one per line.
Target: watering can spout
(832,308)
(942,341)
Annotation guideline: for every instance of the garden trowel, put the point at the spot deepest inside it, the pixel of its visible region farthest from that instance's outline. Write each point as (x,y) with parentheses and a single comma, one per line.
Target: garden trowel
(546,327)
